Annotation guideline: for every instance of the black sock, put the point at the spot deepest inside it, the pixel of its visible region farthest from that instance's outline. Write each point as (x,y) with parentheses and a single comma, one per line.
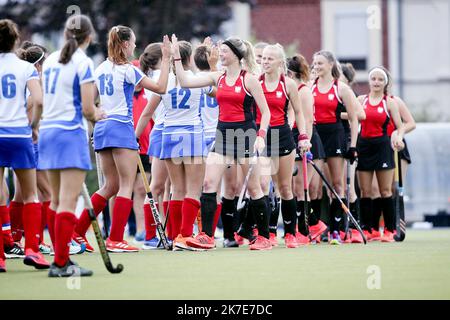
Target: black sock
(315,212)
(288,212)
(261,216)
(208,203)
(274,214)
(366,205)
(388,213)
(237,215)
(301,217)
(335,215)
(227,215)
(376,213)
(354,209)
(345,219)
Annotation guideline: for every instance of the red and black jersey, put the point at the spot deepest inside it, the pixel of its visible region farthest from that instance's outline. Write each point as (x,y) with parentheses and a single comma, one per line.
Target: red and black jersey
(235,102)
(327,106)
(277,101)
(377,119)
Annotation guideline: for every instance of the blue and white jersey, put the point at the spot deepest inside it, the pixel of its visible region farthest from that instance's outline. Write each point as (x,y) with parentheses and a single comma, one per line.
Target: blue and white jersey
(14,75)
(116,85)
(62,90)
(158,115)
(182,105)
(209,112)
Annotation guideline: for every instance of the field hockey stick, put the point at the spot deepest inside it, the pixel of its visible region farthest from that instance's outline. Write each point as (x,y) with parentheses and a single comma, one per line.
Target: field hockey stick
(241,202)
(399,204)
(347,195)
(344,207)
(98,235)
(306,156)
(101,181)
(153,207)
(166,220)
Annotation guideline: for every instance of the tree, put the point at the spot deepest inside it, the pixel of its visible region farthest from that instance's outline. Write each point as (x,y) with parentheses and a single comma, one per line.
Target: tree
(150,19)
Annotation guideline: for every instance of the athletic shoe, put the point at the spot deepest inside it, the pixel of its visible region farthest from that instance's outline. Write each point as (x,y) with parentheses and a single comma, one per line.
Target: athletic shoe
(335,238)
(180,244)
(273,239)
(388,236)
(119,246)
(201,241)
(74,248)
(324,237)
(230,243)
(45,248)
(139,237)
(35,259)
(69,270)
(316,230)
(247,234)
(82,240)
(261,243)
(152,244)
(255,232)
(375,235)
(301,239)
(356,236)
(290,241)
(2,265)
(240,240)
(345,239)
(14,252)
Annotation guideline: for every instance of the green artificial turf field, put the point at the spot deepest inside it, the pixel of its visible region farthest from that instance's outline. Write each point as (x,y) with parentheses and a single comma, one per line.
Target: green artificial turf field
(418,268)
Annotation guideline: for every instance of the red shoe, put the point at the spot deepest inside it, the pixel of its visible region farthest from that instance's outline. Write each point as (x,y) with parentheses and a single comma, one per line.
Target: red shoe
(290,241)
(388,236)
(375,235)
(201,241)
(273,239)
(180,243)
(119,246)
(348,239)
(255,232)
(261,243)
(356,236)
(2,265)
(240,240)
(35,259)
(317,230)
(301,239)
(82,240)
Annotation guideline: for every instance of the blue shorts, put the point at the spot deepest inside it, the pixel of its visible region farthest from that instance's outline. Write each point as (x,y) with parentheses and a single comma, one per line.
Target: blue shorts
(17,153)
(36,153)
(63,149)
(114,134)
(183,141)
(155,143)
(210,141)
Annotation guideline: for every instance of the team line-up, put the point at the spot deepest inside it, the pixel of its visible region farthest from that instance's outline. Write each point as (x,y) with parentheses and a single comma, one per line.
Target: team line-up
(223,126)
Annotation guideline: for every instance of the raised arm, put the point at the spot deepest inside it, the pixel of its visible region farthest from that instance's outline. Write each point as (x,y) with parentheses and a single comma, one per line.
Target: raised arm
(147,114)
(161,85)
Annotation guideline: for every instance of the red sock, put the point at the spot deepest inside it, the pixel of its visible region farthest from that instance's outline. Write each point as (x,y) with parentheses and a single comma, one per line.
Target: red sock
(98,203)
(45,206)
(31,216)
(216,216)
(175,217)
(51,225)
(6,227)
(150,227)
(168,224)
(121,211)
(64,224)
(15,212)
(189,212)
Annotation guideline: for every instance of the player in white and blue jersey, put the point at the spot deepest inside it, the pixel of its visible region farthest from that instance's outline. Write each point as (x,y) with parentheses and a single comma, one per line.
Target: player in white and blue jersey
(16,146)
(114,137)
(68,83)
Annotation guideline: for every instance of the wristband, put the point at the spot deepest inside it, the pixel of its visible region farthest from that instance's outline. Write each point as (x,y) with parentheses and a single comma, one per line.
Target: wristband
(302,136)
(177,59)
(262,133)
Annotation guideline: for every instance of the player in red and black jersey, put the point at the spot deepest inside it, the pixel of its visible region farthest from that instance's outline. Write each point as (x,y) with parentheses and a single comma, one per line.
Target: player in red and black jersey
(280,92)
(375,150)
(330,96)
(298,70)
(236,136)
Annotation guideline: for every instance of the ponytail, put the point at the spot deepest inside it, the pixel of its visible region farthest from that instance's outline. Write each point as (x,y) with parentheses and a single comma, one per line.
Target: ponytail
(249,58)
(75,36)
(151,57)
(299,66)
(116,37)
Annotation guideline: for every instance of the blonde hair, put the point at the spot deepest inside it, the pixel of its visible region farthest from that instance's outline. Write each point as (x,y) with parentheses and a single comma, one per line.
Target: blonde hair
(281,54)
(245,48)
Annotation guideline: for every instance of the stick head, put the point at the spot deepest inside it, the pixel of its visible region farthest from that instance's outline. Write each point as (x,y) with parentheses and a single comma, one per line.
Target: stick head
(117,269)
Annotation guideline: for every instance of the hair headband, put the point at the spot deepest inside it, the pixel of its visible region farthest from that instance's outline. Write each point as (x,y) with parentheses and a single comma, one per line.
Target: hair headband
(234,49)
(42,56)
(386,78)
